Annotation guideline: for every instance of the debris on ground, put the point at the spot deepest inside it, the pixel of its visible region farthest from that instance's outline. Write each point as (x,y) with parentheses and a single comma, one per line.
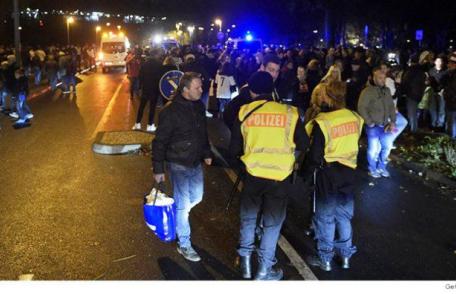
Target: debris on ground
(124,258)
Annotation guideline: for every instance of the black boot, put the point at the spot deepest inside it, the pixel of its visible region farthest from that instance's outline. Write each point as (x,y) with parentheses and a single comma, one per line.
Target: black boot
(246,268)
(268,273)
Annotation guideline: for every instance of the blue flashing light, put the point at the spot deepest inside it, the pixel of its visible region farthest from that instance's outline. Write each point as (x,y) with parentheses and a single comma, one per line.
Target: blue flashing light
(248,37)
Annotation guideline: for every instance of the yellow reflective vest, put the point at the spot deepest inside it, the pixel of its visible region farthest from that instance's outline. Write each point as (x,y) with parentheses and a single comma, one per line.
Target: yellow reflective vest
(342,129)
(269,139)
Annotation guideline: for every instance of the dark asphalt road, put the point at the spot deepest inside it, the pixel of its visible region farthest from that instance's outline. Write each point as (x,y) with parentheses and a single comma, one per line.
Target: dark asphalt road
(69,214)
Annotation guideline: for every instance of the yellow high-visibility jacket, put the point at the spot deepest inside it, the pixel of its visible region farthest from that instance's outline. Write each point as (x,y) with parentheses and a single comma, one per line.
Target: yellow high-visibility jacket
(269,139)
(342,129)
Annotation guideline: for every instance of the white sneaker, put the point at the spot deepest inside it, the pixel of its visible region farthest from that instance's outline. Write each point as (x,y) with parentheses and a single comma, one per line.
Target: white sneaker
(375,174)
(137,126)
(20,121)
(208,114)
(29,116)
(151,128)
(384,173)
(14,115)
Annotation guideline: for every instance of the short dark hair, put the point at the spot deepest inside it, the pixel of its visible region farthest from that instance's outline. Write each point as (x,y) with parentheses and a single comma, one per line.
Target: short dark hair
(186,80)
(375,69)
(268,58)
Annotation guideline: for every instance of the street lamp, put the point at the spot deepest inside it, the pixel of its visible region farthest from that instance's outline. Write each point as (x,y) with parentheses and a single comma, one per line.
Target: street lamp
(218,22)
(97,30)
(190,30)
(69,21)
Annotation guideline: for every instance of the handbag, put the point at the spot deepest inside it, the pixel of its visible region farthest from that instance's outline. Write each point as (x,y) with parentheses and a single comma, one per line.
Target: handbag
(160,214)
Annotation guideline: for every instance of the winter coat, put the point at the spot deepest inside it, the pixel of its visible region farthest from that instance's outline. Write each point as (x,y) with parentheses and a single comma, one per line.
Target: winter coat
(181,136)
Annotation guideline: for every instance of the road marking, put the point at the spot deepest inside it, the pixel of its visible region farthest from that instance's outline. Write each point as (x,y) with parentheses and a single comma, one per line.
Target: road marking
(300,265)
(26,277)
(108,111)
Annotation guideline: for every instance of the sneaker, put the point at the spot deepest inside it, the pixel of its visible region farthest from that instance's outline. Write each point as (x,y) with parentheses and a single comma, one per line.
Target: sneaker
(14,115)
(137,126)
(315,260)
(189,253)
(29,116)
(20,121)
(375,174)
(151,128)
(208,114)
(384,173)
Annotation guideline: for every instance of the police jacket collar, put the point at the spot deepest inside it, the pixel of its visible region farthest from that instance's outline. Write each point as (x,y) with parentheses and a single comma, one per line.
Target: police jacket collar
(267,97)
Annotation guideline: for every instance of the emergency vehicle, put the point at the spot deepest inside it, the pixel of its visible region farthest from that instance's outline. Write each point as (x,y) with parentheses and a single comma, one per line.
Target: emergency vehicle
(113,51)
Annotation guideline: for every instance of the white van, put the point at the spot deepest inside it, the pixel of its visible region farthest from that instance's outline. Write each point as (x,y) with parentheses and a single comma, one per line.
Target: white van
(113,51)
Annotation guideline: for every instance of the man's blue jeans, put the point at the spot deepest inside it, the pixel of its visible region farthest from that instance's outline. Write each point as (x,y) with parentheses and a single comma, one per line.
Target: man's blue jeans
(334,213)
(205,98)
(188,186)
(437,110)
(22,107)
(3,94)
(37,73)
(412,107)
(68,81)
(379,144)
(451,123)
(53,82)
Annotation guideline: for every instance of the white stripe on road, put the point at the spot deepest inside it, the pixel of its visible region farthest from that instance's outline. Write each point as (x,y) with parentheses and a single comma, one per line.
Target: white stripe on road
(108,111)
(300,265)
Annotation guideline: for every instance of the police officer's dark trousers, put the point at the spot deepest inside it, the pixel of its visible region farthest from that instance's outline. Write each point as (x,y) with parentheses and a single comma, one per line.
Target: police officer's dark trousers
(269,198)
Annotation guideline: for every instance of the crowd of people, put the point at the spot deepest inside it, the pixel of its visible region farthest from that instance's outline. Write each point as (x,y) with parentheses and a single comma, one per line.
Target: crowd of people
(420,83)
(58,64)
(278,106)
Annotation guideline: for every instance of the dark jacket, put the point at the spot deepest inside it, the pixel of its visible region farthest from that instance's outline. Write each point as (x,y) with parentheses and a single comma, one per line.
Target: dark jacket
(181,136)
(149,76)
(449,89)
(22,86)
(10,79)
(413,83)
(231,110)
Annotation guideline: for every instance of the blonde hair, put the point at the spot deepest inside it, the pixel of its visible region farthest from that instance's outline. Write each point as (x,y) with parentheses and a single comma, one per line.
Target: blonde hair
(332,94)
(336,91)
(334,69)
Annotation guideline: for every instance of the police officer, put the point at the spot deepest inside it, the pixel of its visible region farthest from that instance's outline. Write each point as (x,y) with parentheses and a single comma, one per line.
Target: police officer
(335,132)
(265,135)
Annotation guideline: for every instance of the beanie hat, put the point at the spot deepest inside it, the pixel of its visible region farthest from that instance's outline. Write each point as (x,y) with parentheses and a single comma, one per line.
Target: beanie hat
(261,83)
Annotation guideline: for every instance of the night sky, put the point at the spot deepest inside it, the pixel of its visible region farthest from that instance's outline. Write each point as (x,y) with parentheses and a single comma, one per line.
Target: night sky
(277,17)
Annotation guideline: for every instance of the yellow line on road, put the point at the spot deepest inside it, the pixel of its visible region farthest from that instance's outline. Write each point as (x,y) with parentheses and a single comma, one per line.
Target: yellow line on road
(108,111)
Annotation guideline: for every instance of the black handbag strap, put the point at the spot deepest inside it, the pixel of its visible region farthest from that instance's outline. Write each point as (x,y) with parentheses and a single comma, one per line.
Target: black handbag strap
(252,111)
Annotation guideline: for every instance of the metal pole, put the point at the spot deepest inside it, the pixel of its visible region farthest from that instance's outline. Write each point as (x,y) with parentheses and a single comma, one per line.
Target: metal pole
(68,32)
(17,33)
